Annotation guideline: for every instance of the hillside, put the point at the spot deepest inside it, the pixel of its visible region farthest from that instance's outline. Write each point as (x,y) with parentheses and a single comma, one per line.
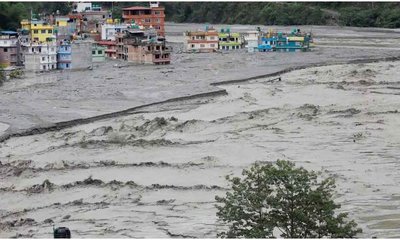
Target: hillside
(357,14)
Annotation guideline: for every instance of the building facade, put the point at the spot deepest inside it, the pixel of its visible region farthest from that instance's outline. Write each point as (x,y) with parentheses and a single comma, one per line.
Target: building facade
(40,31)
(40,56)
(149,17)
(64,55)
(81,54)
(201,41)
(110,48)
(98,53)
(142,46)
(251,40)
(108,31)
(9,49)
(229,41)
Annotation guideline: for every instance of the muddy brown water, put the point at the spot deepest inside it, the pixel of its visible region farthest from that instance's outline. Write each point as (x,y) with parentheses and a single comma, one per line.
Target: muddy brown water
(156,173)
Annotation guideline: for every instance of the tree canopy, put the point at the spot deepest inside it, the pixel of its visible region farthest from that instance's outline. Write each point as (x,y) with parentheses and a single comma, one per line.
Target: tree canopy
(285,198)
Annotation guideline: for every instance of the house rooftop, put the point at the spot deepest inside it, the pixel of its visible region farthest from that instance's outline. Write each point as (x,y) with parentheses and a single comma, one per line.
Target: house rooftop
(142,8)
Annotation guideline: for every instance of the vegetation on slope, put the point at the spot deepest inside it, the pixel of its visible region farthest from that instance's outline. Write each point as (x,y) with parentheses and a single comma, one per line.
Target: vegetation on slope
(358,14)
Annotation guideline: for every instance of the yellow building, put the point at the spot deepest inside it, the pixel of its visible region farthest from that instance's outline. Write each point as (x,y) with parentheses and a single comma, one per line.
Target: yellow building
(62,21)
(40,31)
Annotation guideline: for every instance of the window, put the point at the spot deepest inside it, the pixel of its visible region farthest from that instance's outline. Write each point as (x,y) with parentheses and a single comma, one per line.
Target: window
(5,49)
(35,31)
(93,52)
(157,20)
(147,20)
(104,16)
(202,45)
(192,45)
(44,67)
(157,12)
(67,65)
(212,38)
(212,45)
(42,31)
(43,58)
(157,56)
(99,52)
(50,31)
(35,24)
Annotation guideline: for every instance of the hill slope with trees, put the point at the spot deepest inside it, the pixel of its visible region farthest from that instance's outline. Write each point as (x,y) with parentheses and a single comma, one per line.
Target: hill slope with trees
(357,14)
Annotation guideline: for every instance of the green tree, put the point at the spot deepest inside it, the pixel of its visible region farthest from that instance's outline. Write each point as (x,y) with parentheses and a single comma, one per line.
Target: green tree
(281,196)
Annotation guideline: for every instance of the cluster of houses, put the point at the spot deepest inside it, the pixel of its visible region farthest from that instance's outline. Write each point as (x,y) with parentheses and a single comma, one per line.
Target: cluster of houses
(209,40)
(87,35)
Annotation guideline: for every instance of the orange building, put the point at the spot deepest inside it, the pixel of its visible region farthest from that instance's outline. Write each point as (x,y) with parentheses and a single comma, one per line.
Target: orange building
(147,17)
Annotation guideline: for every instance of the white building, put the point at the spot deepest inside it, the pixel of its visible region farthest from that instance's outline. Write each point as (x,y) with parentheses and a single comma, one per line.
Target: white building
(108,31)
(251,40)
(40,56)
(201,41)
(82,6)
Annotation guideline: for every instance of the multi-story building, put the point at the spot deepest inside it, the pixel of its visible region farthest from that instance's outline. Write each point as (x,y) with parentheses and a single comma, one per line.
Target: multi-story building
(251,40)
(9,49)
(81,54)
(40,56)
(64,55)
(201,41)
(108,31)
(64,28)
(229,41)
(110,48)
(149,17)
(98,53)
(40,31)
(75,54)
(142,46)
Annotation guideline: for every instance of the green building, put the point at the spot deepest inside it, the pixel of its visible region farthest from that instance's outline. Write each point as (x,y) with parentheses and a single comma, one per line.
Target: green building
(228,40)
(98,53)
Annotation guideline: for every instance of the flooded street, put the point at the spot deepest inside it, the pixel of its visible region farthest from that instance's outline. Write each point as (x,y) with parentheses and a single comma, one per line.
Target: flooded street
(155,173)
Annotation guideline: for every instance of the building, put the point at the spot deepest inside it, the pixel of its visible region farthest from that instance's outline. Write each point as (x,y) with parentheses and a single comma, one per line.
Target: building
(229,41)
(108,31)
(40,31)
(89,17)
(81,54)
(98,53)
(110,48)
(9,49)
(201,41)
(81,7)
(142,46)
(149,17)
(64,28)
(251,40)
(40,56)
(64,55)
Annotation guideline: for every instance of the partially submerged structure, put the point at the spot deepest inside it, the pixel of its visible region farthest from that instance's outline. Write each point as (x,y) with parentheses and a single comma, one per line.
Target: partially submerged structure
(9,49)
(229,41)
(142,46)
(98,53)
(201,41)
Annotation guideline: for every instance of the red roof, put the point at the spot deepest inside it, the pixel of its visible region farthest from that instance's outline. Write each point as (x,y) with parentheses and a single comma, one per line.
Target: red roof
(137,8)
(106,43)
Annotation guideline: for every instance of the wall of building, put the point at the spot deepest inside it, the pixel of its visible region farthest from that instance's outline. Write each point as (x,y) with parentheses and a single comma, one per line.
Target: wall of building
(81,54)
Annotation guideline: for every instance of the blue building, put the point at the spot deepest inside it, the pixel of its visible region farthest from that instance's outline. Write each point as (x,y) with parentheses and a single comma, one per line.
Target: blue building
(64,55)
